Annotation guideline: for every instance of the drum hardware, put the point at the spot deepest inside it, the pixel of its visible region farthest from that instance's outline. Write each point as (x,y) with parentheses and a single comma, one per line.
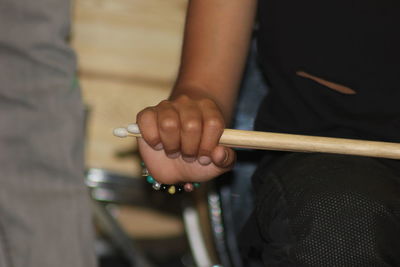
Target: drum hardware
(113,194)
(119,237)
(106,187)
(112,187)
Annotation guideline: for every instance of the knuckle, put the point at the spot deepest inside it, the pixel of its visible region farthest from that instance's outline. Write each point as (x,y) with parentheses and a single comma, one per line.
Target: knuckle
(169,124)
(191,126)
(214,123)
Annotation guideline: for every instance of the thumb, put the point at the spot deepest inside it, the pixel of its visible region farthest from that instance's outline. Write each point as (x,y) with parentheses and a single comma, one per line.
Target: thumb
(223,157)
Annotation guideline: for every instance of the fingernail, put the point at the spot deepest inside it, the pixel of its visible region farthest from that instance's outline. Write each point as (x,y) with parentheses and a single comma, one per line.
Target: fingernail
(159,146)
(189,159)
(174,155)
(204,160)
(226,156)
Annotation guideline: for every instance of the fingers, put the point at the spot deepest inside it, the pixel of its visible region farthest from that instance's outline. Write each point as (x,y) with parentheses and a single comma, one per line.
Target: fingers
(147,122)
(160,128)
(191,128)
(169,126)
(213,127)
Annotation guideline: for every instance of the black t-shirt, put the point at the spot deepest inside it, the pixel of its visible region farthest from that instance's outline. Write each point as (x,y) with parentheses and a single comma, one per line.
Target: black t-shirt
(333,67)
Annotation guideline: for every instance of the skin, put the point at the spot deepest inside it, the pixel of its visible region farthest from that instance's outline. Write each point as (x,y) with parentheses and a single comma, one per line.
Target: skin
(180,135)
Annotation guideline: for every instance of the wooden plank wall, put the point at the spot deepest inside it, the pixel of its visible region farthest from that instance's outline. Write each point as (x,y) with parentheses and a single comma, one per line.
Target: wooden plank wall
(128,54)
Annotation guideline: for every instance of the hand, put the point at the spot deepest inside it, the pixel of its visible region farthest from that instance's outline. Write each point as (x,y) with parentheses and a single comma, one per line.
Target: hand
(180,140)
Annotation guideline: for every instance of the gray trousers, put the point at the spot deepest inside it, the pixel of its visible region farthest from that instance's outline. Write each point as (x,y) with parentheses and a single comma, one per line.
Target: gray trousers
(45,217)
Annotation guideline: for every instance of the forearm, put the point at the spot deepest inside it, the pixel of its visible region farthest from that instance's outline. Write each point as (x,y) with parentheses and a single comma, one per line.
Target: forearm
(217,36)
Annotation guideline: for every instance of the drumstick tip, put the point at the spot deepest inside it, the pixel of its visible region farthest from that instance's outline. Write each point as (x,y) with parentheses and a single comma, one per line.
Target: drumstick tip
(120,132)
(133,128)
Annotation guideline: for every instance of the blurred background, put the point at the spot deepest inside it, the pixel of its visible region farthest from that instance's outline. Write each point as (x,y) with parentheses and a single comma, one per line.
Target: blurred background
(128,54)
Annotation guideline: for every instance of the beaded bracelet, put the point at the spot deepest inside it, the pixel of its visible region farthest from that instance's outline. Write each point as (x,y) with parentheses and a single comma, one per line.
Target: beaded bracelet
(171,189)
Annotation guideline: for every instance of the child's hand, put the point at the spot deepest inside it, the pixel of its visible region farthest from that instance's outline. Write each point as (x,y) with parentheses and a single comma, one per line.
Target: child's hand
(180,140)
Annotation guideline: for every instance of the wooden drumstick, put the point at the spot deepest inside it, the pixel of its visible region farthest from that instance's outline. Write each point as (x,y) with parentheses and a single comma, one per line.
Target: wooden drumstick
(294,143)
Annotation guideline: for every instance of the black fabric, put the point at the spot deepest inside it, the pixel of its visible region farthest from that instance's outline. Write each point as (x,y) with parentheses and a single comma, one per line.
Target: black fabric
(320,209)
(325,210)
(349,42)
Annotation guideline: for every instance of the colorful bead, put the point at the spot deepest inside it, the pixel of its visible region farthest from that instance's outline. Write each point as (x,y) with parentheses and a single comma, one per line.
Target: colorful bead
(156,186)
(145,172)
(150,179)
(172,189)
(188,187)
